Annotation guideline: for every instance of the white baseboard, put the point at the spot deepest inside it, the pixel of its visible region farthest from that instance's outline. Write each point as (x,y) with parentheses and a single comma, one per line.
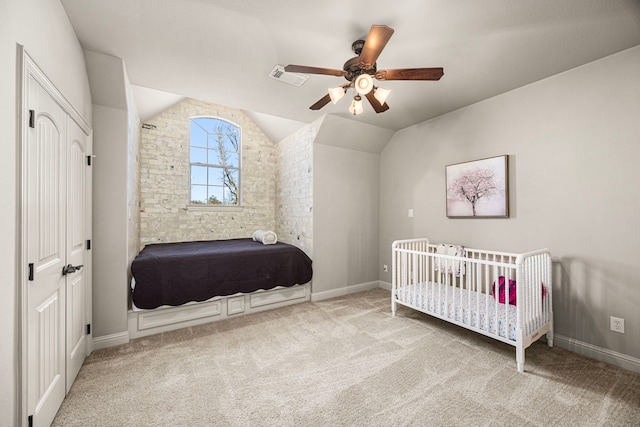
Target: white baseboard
(385,285)
(346,290)
(110,340)
(598,353)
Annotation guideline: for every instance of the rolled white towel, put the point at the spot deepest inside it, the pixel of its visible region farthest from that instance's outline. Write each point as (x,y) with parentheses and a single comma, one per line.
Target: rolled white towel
(266,237)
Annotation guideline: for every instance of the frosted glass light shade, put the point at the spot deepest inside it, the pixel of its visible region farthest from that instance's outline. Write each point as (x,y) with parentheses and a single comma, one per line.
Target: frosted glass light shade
(364,84)
(381,95)
(356,106)
(336,94)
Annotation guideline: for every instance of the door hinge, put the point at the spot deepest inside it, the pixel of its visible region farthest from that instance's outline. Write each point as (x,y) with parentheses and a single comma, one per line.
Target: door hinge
(88,328)
(32,118)
(88,160)
(30,420)
(31,272)
(88,244)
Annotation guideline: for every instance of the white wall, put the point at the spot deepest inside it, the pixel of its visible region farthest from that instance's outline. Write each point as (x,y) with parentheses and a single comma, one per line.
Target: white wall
(116,131)
(345,219)
(110,258)
(573,146)
(42,27)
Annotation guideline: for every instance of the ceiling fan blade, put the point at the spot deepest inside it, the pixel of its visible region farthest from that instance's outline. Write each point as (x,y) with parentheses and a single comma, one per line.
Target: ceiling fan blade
(321,102)
(410,74)
(314,70)
(376,40)
(379,108)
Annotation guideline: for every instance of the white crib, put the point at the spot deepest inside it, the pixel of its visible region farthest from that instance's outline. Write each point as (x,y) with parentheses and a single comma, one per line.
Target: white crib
(459,289)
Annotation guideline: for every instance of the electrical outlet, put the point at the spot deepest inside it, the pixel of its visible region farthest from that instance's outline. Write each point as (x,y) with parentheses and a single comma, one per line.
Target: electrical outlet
(617,324)
(385,268)
(410,213)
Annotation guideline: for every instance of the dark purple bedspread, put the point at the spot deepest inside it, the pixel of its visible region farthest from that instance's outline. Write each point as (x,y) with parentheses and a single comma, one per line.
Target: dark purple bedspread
(177,273)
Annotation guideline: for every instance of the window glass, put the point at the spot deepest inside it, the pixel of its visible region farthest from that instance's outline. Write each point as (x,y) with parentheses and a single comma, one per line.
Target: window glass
(215,161)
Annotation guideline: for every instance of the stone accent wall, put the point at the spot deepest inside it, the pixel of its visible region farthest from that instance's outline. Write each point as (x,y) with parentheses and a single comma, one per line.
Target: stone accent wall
(164,181)
(295,188)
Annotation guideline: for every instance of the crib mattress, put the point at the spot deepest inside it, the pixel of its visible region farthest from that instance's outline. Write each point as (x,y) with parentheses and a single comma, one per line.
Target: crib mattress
(469,307)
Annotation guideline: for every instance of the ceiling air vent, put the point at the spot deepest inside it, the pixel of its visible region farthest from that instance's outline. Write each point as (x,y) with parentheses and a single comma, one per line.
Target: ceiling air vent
(295,79)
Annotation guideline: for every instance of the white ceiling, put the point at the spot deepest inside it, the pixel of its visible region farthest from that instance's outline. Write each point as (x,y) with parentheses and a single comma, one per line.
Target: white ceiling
(222,51)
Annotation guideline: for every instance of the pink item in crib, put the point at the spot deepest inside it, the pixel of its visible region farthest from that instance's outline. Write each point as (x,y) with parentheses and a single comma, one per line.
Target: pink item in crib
(502,291)
(512,290)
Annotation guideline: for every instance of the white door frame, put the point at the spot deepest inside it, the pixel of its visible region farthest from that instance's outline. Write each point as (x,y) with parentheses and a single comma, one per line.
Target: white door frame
(27,68)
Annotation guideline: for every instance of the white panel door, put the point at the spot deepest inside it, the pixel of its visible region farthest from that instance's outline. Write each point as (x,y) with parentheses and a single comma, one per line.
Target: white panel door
(77,282)
(46,153)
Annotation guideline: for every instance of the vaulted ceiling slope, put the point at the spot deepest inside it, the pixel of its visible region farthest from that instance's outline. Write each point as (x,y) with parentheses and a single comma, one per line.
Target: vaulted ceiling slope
(222,51)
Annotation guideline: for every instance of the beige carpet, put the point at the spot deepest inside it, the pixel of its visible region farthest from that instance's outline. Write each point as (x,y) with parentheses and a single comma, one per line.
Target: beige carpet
(343,362)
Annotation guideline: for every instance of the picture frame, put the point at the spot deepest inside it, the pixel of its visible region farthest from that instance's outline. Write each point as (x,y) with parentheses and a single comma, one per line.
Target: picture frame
(478,188)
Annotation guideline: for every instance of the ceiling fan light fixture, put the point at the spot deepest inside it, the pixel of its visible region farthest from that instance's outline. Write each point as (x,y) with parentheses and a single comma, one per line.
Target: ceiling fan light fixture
(381,94)
(356,105)
(336,93)
(362,69)
(364,84)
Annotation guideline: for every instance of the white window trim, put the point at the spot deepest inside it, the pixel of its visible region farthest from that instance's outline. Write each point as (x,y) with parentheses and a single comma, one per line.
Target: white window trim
(214,208)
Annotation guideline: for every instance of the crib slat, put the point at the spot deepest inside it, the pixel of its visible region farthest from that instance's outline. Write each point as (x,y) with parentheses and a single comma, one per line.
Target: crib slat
(496,275)
(486,297)
(479,286)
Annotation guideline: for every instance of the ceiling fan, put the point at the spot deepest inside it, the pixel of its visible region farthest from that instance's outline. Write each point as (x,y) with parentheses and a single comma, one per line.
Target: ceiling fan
(362,69)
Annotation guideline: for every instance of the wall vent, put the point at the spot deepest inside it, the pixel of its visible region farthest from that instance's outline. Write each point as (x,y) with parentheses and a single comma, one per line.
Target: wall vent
(295,79)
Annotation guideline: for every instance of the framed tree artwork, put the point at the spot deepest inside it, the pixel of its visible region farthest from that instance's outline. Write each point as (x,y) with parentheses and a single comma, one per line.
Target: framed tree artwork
(478,189)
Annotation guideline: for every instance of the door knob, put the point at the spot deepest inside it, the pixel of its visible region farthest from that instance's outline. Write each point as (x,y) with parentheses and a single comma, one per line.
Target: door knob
(68,269)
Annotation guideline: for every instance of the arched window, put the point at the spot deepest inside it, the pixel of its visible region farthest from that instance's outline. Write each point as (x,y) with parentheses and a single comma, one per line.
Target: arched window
(215,162)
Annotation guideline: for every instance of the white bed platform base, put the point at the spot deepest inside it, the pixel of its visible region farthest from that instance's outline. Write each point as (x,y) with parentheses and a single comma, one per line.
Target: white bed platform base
(147,322)
(458,289)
